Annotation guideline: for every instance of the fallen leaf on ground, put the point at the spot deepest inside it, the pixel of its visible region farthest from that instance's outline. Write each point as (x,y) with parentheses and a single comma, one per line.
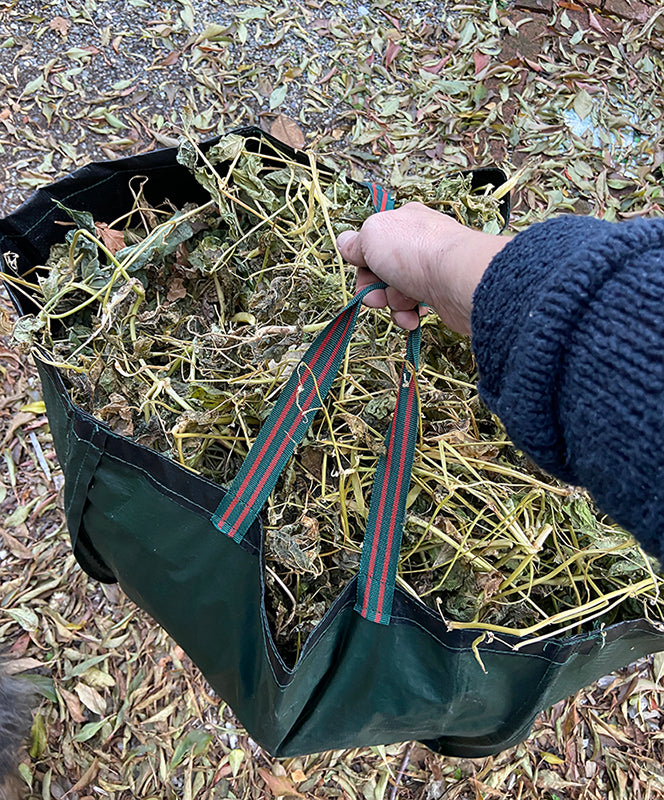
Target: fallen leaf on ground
(288,131)
(278,786)
(60,25)
(73,705)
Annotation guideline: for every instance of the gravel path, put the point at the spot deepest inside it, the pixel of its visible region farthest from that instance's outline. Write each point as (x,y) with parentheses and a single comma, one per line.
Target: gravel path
(104,78)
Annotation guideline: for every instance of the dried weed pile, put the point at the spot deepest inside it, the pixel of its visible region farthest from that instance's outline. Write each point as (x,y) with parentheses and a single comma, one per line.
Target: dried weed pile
(178,327)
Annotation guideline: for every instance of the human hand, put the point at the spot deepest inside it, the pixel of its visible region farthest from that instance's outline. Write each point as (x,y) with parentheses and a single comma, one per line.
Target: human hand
(424,257)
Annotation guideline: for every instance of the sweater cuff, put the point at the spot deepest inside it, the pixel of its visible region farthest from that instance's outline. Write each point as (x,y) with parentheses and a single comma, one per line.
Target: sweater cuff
(535,296)
(568,333)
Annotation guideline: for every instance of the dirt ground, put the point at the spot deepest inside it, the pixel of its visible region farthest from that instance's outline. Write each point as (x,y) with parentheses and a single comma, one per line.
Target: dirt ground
(565,94)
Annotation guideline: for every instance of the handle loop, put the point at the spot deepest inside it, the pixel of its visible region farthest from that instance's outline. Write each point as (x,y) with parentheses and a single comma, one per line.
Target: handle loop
(382,539)
(289,421)
(382,200)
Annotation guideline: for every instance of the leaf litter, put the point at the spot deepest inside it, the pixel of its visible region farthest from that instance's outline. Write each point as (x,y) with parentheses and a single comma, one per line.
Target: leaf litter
(524,68)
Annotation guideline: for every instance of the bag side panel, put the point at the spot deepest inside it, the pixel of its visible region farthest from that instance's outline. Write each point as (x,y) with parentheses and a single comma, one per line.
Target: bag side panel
(202,587)
(403,681)
(608,651)
(78,448)
(398,682)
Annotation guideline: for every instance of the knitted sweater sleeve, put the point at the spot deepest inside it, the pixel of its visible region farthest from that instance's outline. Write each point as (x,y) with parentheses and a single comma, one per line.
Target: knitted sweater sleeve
(568,332)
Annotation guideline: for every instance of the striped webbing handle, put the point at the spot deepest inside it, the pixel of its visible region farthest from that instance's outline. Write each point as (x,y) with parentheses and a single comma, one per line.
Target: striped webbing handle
(288,422)
(382,200)
(382,539)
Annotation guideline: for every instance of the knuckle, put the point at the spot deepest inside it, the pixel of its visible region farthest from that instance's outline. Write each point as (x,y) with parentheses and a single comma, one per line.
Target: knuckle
(373,224)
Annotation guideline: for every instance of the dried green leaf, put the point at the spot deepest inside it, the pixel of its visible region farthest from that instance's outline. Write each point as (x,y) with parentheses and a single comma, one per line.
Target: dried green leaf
(161,242)
(43,685)
(193,743)
(98,678)
(278,96)
(187,155)
(89,730)
(17,517)
(25,617)
(83,219)
(34,85)
(38,737)
(235,758)
(213,32)
(228,148)
(583,104)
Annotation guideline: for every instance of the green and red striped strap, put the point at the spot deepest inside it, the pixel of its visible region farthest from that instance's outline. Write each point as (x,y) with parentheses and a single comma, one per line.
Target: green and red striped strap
(288,422)
(382,200)
(286,426)
(382,539)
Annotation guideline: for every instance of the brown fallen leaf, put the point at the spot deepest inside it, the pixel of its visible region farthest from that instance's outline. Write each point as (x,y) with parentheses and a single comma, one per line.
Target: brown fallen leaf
(391,52)
(91,698)
(489,583)
(182,255)
(176,290)
(481,61)
(437,67)
(117,411)
(594,23)
(288,131)
(327,76)
(20,645)
(278,786)
(18,665)
(6,324)
(169,60)
(87,777)
(17,422)
(264,85)
(322,25)
(15,547)
(73,705)
(60,24)
(113,239)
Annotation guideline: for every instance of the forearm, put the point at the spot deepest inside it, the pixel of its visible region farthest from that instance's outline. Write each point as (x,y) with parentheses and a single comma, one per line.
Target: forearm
(568,331)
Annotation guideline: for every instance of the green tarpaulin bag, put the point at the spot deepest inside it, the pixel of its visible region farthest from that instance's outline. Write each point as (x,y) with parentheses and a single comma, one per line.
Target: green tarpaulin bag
(380,667)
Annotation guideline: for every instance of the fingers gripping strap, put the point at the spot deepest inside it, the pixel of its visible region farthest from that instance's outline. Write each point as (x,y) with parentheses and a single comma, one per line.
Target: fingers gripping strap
(382,540)
(287,424)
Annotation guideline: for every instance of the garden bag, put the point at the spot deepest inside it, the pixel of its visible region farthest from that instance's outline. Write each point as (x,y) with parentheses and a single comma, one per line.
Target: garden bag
(380,667)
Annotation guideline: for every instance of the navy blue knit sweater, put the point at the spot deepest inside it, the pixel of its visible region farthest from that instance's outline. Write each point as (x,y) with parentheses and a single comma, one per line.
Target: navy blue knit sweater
(568,332)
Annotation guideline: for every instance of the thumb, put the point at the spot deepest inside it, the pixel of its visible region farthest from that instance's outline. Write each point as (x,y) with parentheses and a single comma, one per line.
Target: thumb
(348,243)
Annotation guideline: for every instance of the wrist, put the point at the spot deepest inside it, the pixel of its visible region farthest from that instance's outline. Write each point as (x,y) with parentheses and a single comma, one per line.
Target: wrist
(456,267)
